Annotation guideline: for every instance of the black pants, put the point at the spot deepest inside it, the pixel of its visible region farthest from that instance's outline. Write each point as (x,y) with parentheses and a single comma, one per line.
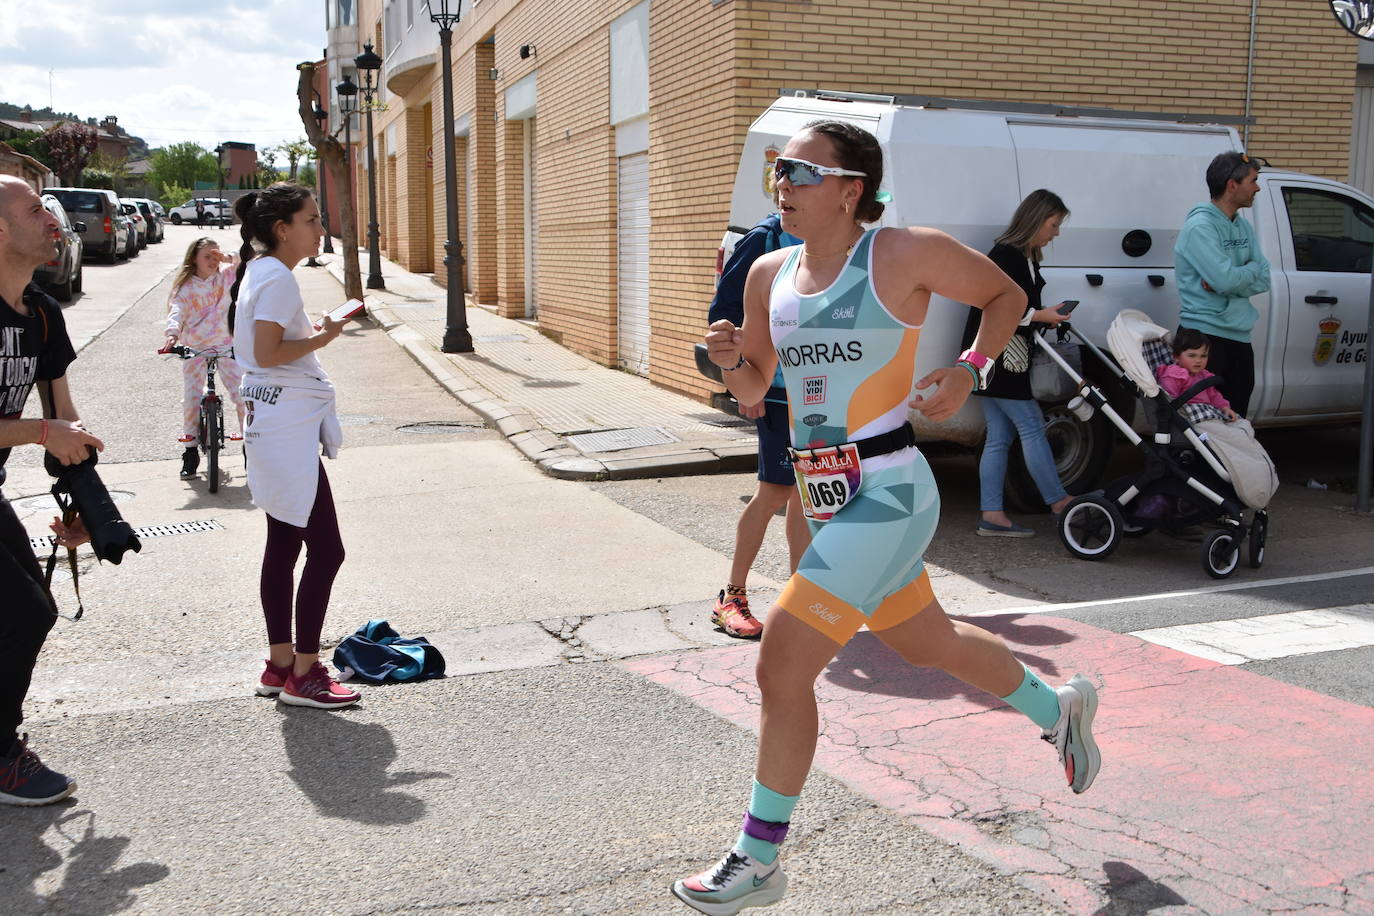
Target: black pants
(26,616)
(1235,363)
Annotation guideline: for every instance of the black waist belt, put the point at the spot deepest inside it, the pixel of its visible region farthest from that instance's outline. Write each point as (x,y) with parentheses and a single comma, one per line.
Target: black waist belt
(883,444)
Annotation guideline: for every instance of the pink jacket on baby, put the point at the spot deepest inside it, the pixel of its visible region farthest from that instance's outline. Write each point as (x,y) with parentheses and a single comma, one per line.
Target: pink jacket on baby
(1175,379)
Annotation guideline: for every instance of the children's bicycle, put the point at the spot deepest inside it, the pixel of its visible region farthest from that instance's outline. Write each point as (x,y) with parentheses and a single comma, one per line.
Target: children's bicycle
(211,426)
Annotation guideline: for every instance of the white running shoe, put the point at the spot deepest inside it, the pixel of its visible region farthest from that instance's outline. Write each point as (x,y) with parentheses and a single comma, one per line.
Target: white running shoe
(1072,735)
(736,882)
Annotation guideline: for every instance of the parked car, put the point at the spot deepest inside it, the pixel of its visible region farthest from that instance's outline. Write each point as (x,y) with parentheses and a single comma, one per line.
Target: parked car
(217,210)
(63,273)
(151,217)
(140,224)
(107,229)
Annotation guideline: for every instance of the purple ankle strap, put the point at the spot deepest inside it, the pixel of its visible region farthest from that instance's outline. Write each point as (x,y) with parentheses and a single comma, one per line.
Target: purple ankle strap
(768,831)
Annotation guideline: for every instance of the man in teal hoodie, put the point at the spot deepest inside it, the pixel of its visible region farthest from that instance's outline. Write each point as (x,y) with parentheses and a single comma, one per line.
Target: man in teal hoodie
(1218,267)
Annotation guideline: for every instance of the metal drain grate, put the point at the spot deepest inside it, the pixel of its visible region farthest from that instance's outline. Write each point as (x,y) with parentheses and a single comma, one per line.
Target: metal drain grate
(615,440)
(150,531)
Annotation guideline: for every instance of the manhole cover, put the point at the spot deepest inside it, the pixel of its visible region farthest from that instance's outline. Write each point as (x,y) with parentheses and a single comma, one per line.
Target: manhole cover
(44,502)
(726,420)
(615,440)
(501,338)
(148,531)
(356,419)
(437,427)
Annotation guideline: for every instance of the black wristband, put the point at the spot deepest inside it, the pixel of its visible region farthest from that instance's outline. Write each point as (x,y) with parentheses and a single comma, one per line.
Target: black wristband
(735,366)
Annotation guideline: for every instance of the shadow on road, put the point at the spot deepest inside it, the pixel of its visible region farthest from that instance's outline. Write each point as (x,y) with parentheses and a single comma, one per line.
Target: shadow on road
(1131,892)
(91,882)
(341,766)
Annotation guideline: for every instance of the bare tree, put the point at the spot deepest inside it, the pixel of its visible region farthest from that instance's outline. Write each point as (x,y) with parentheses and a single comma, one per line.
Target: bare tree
(330,153)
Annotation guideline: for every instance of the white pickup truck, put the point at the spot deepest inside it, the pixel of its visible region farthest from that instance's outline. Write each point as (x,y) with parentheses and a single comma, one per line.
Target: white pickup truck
(1129,180)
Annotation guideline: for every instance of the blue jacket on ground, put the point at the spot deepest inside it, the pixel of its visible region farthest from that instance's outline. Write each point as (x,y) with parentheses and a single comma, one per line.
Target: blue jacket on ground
(767,235)
(1222,253)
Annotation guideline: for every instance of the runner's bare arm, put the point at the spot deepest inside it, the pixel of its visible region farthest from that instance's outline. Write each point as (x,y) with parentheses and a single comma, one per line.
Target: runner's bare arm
(727,343)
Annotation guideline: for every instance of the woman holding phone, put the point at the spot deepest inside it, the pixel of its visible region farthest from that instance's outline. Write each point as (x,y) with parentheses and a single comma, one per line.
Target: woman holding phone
(289,402)
(1008,406)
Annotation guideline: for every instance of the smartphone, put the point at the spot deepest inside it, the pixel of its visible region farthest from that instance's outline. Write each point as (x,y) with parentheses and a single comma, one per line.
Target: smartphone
(1067,306)
(344,312)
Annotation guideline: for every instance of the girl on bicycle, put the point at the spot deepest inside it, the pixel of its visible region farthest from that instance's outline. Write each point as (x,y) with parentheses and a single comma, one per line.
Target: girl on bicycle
(290,405)
(197,318)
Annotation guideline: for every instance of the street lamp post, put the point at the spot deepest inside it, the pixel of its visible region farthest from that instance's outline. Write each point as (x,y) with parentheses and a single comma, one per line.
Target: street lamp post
(457,337)
(368,63)
(219,167)
(320,170)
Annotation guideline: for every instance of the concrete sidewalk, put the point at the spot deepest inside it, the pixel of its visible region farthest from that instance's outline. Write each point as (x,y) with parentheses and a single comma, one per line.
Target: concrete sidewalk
(572,417)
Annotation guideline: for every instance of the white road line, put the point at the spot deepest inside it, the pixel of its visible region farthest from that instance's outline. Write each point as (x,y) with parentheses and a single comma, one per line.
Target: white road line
(1235,642)
(1165,596)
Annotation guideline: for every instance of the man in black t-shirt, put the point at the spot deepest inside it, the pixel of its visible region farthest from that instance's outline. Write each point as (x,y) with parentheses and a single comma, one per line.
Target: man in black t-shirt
(34,347)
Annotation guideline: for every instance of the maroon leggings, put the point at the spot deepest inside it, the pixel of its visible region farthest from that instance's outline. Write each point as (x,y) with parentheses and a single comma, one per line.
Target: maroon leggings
(324,556)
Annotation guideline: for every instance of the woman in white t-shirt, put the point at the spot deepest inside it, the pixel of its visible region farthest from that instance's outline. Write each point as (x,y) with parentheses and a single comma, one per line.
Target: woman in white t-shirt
(289,402)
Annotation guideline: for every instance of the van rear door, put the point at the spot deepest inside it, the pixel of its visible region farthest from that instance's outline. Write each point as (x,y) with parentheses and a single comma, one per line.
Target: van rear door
(1326,237)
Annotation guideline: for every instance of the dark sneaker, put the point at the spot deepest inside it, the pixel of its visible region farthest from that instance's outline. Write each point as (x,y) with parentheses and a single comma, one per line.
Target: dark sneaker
(24,780)
(1072,735)
(190,460)
(273,679)
(735,882)
(732,615)
(318,689)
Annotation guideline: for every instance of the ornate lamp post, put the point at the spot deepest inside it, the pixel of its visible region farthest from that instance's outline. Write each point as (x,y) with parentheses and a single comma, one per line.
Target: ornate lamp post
(368,63)
(320,115)
(219,167)
(457,337)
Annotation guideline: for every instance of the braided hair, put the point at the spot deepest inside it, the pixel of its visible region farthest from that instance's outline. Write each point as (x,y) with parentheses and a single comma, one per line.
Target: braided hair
(259,212)
(857,150)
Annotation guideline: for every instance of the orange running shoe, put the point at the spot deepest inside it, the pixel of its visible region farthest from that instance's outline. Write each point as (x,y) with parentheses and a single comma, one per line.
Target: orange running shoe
(732,615)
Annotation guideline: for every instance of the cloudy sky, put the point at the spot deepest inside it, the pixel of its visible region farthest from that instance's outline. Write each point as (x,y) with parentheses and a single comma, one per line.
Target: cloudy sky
(170,70)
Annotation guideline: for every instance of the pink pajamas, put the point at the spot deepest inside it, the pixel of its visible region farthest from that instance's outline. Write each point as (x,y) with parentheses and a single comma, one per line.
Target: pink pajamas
(198,316)
(1175,380)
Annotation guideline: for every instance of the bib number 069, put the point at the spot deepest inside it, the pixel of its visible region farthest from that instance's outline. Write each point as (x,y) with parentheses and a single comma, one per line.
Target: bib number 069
(828,493)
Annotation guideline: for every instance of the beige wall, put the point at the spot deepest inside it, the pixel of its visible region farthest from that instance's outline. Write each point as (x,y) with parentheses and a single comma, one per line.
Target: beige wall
(715,65)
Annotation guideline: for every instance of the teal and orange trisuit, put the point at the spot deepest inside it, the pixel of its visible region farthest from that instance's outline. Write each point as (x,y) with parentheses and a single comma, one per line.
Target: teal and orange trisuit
(848,365)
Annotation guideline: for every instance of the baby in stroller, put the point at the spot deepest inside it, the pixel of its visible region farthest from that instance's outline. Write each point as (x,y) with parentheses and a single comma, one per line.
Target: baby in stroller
(1202,465)
(1190,367)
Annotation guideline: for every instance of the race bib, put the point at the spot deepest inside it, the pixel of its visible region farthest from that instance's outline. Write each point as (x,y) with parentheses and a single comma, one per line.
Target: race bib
(828,478)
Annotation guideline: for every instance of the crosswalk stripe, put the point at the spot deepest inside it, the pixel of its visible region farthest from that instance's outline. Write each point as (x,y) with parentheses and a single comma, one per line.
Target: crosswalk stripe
(1165,596)
(1248,639)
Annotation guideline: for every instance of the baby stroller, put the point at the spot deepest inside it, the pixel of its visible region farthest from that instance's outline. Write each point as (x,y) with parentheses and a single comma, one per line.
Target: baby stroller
(1198,468)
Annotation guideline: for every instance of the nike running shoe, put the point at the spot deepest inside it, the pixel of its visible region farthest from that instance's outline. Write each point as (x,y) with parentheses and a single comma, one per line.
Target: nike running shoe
(24,780)
(190,460)
(318,689)
(735,882)
(1072,735)
(732,615)
(273,679)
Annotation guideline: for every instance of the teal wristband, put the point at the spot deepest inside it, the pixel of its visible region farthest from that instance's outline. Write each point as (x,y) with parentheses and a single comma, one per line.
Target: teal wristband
(977,379)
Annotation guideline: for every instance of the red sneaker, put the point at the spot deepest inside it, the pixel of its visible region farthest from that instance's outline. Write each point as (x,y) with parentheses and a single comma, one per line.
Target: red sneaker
(732,615)
(272,680)
(318,689)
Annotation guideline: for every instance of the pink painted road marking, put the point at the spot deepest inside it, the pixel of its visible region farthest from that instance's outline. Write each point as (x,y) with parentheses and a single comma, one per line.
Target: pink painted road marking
(1220,789)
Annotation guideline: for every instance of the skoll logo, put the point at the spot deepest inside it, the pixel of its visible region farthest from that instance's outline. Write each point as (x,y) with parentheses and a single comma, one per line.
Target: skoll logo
(824,613)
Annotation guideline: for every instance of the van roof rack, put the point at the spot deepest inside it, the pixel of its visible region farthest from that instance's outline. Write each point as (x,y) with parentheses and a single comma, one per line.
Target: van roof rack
(1073,111)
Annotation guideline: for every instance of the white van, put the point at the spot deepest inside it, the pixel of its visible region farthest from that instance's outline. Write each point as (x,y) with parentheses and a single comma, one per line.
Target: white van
(1129,180)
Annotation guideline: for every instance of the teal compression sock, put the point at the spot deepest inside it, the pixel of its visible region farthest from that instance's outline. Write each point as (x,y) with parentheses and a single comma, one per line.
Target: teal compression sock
(1036,700)
(776,811)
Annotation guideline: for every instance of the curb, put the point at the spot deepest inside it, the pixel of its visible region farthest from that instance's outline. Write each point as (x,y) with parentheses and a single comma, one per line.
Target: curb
(545,449)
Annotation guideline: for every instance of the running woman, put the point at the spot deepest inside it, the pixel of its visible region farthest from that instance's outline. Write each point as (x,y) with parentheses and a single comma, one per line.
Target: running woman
(842,313)
(289,402)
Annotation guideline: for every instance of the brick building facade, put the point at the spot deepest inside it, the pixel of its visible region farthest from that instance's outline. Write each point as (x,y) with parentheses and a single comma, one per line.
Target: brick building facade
(579,118)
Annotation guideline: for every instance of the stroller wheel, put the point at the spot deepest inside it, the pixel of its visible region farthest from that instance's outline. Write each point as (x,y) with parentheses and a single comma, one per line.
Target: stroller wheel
(1259,531)
(1091,527)
(1221,553)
